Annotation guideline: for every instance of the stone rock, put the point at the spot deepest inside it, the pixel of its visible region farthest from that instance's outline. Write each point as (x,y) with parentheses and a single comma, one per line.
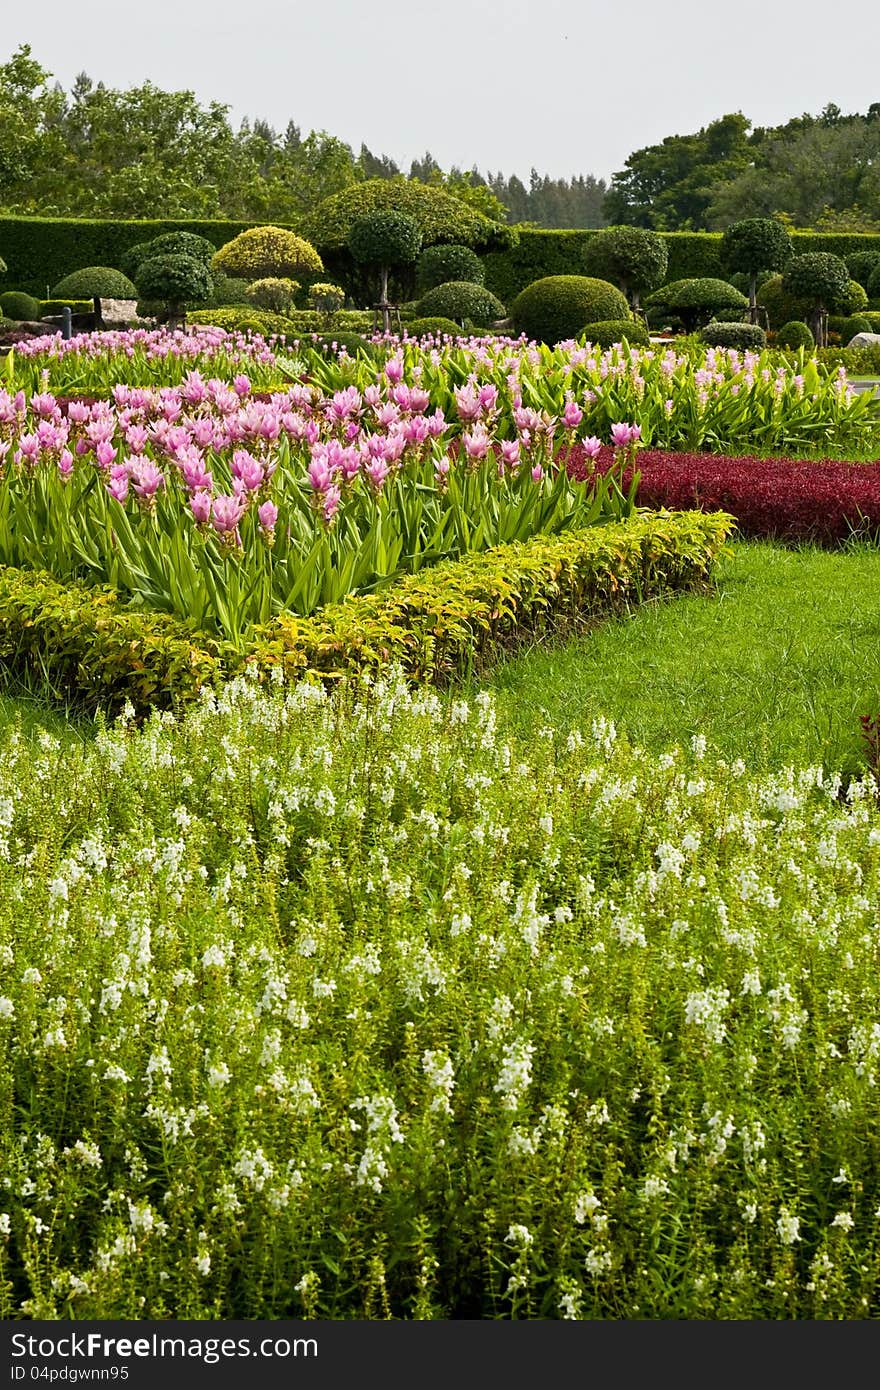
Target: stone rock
(863,340)
(118,313)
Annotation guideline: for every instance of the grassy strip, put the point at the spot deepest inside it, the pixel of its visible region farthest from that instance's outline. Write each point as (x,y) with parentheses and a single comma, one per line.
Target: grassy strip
(86,646)
(777,669)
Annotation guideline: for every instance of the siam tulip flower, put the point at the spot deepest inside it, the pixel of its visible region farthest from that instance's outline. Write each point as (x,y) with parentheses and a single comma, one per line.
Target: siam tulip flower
(372,395)
(591,446)
(227,512)
(622,434)
(65,464)
(320,474)
(476,443)
(537,473)
(572,414)
(267,515)
(419,400)
(388,414)
(136,437)
(376,472)
(510,454)
(467,403)
(117,484)
(45,406)
(193,389)
(241,385)
(200,505)
(441,472)
(146,479)
(330,505)
(436,423)
(248,470)
(344,404)
(488,395)
(394,369)
(416,430)
(28,450)
(105,454)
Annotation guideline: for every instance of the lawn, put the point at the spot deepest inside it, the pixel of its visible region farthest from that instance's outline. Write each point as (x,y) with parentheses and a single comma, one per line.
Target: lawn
(775,668)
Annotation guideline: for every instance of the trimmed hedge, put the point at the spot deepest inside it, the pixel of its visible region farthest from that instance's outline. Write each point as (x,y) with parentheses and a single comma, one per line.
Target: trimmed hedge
(436,327)
(436,624)
(607,332)
(551,251)
(558,307)
(743,336)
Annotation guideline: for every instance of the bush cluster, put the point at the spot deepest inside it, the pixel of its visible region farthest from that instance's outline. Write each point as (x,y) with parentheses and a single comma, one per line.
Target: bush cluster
(95,282)
(439,264)
(434,327)
(263,252)
(275,293)
(606,333)
(463,301)
(795,334)
(556,308)
(744,336)
(19,306)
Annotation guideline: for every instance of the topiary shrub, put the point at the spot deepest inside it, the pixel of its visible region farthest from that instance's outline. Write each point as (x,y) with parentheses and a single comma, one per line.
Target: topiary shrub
(352,343)
(235,320)
(795,335)
(198,248)
(855,299)
(264,252)
(175,281)
(848,327)
(744,336)
(438,265)
(384,241)
(433,327)
(861,265)
(556,307)
(439,216)
(741,282)
(780,305)
(95,282)
(277,294)
(462,301)
(823,281)
(19,306)
(131,259)
(632,258)
(605,334)
(752,245)
(226,291)
(696,301)
(326,299)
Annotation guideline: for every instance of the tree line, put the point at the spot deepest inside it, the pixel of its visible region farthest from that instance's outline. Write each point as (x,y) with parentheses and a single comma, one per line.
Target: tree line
(143,152)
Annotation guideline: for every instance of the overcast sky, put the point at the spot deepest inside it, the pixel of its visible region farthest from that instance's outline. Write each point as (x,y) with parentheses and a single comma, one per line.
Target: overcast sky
(569,86)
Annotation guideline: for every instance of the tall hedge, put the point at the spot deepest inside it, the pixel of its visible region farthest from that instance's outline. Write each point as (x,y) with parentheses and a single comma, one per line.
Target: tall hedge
(543,251)
(40,251)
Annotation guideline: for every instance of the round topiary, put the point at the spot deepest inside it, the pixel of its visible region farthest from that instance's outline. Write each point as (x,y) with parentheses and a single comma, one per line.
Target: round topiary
(851,325)
(131,259)
(275,294)
(226,291)
(19,306)
(438,265)
(556,307)
(386,238)
(198,248)
(823,281)
(611,331)
(261,252)
(461,300)
(632,258)
(352,343)
(856,298)
(746,337)
(95,282)
(174,280)
(440,216)
(741,282)
(795,335)
(755,244)
(861,264)
(433,327)
(780,305)
(695,301)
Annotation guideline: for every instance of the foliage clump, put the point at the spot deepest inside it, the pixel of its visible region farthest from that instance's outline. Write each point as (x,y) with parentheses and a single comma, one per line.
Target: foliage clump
(263,252)
(557,307)
(95,282)
(795,334)
(19,306)
(274,293)
(743,336)
(437,265)
(606,334)
(463,301)
(632,258)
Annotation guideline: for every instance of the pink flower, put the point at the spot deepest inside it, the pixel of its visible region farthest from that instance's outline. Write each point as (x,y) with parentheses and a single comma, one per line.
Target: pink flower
(146,478)
(65,463)
(117,485)
(467,403)
(267,515)
(591,446)
(622,434)
(476,442)
(241,385)
(537,473)
(572,415)
(377,471)
(227,513)
(200,504)
(394,369)
(332,498)
(510,452)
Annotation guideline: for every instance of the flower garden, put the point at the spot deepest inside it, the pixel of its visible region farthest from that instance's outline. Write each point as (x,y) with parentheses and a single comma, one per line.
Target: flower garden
(333,984)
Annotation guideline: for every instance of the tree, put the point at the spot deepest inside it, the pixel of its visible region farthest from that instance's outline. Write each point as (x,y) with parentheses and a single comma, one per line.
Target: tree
(264,252)
(385,240)
(822,280)
(632,258)
(669,186)
(174,281)
(753,245)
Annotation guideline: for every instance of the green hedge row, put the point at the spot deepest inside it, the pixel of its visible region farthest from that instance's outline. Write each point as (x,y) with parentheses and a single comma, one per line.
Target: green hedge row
(437,624)
(40,251)
(557,252)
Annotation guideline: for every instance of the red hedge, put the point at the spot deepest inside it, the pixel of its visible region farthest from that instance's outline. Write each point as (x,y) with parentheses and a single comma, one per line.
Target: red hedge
(781,498)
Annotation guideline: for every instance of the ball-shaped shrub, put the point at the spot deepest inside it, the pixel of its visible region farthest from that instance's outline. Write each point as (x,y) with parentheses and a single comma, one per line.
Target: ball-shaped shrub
(437,265)
(851,325)
(747,337)
(226,291)
(855,299)
(820,278)
(19,306)
(440,216)
(261,252)
(174,280)
(632,258)
(461,300)
(386,238)
(697,300)
(95,282)
(612,331)
(780,304)
(198,248)
(861,264)
(556,308)
(795,335)
(131,259)
(432,327)
(276,294)
(326,298)
(754,244)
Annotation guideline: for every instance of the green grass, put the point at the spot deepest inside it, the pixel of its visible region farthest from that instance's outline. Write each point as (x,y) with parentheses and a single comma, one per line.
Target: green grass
(775,668)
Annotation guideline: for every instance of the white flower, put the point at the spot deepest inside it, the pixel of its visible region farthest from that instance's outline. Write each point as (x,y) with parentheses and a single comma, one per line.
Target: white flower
(7,1008)
(219,1074)
(788,1227)
(844,1221)
(654,1186)
(597,1262)
(516,1073)
(519,1236)
(585,1205)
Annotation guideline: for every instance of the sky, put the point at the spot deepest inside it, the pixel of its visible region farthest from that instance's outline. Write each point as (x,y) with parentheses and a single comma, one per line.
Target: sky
(566,86)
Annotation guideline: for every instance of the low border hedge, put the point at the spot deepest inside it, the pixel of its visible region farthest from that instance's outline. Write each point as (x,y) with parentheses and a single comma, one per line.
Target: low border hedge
(438,624)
